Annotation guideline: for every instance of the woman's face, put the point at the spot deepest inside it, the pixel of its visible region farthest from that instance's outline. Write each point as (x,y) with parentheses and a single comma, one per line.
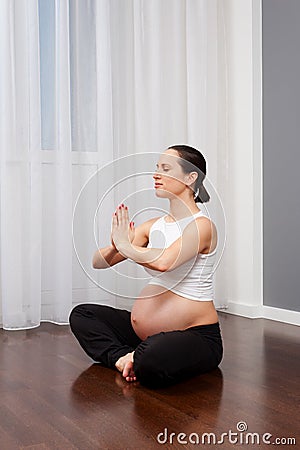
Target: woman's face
(169,178)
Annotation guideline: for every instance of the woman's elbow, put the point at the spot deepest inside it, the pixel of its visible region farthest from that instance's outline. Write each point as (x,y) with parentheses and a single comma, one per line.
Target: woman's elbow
(94,264)
(98,264)
(166,265)
(162,266)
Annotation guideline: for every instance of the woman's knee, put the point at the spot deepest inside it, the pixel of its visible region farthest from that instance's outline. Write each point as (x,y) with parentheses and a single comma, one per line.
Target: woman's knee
(78,316)
(85,315)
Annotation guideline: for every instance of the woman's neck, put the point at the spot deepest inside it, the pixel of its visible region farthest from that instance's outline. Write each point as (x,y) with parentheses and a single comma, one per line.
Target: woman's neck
(180,209)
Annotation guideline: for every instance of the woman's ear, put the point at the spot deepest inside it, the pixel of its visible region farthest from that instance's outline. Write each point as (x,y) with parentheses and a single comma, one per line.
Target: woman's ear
(191,178)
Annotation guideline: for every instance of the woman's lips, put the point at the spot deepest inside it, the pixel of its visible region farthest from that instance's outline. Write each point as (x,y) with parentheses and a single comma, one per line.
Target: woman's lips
(156,185)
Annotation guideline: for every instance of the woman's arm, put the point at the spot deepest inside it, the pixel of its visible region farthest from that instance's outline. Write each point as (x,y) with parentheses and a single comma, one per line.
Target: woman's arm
(108,256)
(152,258)
(195,238)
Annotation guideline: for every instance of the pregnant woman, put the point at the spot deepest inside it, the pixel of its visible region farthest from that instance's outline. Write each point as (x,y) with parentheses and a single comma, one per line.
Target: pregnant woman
(173,331)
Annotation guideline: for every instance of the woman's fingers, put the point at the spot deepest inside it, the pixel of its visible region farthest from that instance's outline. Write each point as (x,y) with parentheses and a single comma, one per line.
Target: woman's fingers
(114,219)
(122,214)
(121,218)
(117,215)
(126,217)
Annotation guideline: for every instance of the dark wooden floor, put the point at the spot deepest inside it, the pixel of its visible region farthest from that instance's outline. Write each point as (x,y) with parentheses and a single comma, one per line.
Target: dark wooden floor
(52,397)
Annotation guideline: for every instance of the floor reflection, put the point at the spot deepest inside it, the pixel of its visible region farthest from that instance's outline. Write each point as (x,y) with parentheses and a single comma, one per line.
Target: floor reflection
(189,406)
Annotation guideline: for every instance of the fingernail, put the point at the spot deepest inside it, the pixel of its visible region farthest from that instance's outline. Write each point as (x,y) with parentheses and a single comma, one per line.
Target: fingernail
(126,207)
(119,207)
(122,204)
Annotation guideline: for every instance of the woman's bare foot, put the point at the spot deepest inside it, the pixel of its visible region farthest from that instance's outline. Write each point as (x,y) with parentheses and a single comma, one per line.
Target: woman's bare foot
(125,365)
(128,372)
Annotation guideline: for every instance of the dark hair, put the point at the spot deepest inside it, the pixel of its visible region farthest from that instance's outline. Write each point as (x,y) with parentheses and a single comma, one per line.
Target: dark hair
(191,160)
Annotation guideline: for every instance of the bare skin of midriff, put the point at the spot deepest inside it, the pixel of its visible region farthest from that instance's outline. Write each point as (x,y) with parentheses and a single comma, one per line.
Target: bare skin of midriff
(158,309)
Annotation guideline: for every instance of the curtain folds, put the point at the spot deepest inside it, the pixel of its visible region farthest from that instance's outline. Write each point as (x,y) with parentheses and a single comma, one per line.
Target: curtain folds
(81,85)
(20,171)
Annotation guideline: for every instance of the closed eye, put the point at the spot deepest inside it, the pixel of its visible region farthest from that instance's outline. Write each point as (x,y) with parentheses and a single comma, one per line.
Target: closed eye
(165,167)
(164,170)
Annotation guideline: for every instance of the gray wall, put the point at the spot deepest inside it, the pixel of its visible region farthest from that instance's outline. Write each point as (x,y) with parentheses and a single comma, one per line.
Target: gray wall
(281,153)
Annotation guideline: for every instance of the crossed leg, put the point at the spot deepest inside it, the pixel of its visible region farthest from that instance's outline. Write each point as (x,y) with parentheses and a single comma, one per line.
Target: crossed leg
(107,336)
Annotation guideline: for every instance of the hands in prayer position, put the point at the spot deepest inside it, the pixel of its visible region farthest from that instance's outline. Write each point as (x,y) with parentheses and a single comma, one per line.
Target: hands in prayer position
(122,229)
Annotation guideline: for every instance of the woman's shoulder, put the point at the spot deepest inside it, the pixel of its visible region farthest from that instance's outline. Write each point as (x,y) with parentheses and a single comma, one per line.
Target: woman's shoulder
(204,219)
(205,222)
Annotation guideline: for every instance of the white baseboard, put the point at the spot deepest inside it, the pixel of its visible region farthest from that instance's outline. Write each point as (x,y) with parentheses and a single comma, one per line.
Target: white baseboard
(264,312)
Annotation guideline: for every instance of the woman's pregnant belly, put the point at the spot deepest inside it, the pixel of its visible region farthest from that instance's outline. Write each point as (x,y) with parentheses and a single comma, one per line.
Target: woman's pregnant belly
(157,309)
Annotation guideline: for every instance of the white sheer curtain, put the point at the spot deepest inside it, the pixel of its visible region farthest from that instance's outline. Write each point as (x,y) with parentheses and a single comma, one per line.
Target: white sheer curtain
(83,84)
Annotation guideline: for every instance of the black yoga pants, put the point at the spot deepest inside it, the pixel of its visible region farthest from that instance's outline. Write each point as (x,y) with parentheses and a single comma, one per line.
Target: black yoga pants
(106,334)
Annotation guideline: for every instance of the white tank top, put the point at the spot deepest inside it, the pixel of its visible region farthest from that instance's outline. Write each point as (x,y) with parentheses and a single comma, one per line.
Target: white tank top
(192,279)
